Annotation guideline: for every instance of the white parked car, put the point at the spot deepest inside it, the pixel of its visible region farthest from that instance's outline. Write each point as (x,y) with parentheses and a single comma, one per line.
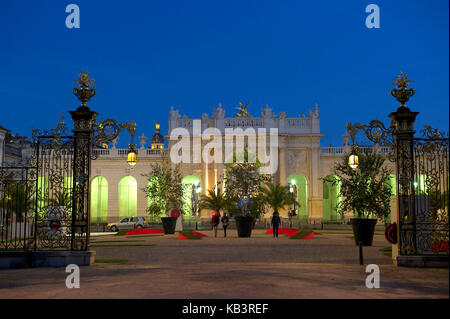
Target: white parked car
(128,223)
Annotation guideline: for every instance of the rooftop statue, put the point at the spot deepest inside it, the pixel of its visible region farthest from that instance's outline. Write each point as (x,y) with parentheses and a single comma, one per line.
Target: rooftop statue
(243,110)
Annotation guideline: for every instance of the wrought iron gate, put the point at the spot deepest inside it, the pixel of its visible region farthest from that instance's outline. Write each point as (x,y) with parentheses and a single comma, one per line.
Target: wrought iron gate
(37,200)
(17,186)
(423,193)
(44,204)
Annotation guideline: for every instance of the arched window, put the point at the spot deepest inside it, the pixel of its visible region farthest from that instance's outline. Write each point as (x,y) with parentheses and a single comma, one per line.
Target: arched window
(301,185)
(191,181)
(99,200)
(127,197)
(331,198)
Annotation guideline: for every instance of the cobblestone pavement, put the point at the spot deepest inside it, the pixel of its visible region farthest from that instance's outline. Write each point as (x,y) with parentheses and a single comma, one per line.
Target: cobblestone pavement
(257,267)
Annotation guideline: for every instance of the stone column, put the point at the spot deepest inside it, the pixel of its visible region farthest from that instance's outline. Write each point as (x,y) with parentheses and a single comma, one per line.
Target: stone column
(315,207)
(282,165)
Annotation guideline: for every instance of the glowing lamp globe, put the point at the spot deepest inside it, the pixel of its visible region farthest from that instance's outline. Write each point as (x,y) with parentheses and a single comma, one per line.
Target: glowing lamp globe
(353,161)
(131,158)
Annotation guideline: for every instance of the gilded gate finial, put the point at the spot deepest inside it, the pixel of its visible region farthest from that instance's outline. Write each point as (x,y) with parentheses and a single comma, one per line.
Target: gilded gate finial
(84,90)
(402,93)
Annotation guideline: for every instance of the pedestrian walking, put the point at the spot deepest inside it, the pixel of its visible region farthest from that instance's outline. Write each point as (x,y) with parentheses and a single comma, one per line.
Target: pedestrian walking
(275,222)
(225,222)
(215,222)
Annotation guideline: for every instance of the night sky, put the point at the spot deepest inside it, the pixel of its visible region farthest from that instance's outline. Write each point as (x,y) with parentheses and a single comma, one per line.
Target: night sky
(148,55)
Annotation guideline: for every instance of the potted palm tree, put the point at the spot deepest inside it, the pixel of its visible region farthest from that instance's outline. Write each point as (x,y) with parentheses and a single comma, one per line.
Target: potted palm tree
(277,196)
(165,192)
(365,192)
(243,185)
(215,201)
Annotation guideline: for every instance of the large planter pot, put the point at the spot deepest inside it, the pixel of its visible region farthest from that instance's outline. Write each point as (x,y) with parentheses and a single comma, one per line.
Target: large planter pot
(244,225)
(363,230)
(169,224)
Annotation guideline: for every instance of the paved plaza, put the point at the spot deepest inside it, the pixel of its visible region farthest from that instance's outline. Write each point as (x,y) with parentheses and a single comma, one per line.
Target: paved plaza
(326,266)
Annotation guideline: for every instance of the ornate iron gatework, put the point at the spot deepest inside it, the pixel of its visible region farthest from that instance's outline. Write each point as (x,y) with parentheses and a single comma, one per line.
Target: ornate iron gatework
(45,204)
(423,191)
(53,195)
(17,189)
(422,175)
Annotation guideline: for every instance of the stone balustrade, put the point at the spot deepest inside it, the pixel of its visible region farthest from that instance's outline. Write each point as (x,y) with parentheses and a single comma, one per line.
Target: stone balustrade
(342,150)
(122,153)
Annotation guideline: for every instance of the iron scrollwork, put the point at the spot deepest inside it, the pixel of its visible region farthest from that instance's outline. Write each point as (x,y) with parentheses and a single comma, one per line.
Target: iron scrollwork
(422,173)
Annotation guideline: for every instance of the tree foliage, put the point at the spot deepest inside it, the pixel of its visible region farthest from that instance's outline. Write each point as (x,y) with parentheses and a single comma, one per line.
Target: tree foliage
(277,196)
(215,201)
(164,189)
(366,191)
(245,179)
(16,198)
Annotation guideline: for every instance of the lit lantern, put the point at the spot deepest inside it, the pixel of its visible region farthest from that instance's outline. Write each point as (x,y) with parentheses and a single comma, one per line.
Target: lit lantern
(353,160)
(132,156)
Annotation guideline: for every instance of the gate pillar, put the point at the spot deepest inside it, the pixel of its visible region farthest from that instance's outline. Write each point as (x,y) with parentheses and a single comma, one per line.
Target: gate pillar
(403,121)
(82,122)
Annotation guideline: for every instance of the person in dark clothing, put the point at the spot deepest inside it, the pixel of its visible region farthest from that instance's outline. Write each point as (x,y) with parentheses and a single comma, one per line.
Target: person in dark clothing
(275,222)
(215,222)
(225,222)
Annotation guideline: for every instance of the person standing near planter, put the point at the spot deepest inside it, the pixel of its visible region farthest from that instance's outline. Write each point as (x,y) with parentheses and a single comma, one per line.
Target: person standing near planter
(215,222)
(225,222)
(275,222)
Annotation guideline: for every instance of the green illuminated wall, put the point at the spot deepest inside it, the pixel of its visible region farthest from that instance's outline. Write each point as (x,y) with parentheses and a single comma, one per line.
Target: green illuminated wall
(331,199)
(421,184)
(127,197)
(393,184)
(43,196)
(68,190)
(302,195)
(99,200)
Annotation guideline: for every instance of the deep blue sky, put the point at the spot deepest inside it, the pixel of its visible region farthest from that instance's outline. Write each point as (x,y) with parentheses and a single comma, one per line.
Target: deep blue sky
(148,55)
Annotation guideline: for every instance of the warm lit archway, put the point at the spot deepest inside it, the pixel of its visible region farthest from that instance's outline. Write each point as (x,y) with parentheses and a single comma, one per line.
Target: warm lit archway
(331,198)
(99,200)
(189,181)
(302,195)
(127,197)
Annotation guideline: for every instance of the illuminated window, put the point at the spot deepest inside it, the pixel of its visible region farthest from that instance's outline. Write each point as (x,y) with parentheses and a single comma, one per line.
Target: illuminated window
(127,197)
(99,200)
